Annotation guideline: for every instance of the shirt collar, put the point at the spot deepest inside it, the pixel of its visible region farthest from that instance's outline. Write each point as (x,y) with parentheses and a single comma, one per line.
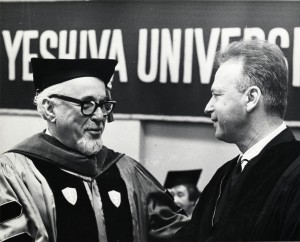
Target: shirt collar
(47,132)
(257,148)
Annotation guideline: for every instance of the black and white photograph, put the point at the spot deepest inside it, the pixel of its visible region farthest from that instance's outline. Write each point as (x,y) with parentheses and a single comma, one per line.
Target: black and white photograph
(149,120)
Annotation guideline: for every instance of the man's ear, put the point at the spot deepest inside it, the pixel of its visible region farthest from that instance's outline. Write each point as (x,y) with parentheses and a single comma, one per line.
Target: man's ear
(48,110)
(253,94)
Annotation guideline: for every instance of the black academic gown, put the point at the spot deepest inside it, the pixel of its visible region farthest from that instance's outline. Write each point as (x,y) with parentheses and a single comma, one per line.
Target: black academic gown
(264,203)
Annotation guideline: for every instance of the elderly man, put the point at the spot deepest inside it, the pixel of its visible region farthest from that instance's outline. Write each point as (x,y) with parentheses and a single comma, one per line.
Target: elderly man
(256,195)
(62,184)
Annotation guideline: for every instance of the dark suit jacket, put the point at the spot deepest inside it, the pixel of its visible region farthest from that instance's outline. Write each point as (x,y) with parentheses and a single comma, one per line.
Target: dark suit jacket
(264,203)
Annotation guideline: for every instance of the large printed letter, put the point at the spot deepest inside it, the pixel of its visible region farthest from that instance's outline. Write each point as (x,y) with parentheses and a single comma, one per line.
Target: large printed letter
(102,52)
(51,36)
(12,49)
(283,34)
(28,35)
(188,55)
(206,62)
(117,52)
(90,38)
(83,44)
(62,51)
(228,33)
(249,33)
(296,58)
(142,55)
(170,55)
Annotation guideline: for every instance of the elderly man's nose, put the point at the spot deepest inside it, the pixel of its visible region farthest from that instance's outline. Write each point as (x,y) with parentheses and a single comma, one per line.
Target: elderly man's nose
(98,114)
(209,107)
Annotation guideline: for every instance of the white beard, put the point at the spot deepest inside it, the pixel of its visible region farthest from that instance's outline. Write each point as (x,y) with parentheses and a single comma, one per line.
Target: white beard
(88,146)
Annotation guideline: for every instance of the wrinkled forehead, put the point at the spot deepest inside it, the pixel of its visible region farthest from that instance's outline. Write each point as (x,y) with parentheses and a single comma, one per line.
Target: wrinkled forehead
(84,86)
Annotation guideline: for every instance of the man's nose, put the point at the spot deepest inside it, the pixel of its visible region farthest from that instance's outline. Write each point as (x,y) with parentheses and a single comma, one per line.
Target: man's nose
(98,115)
(209,106)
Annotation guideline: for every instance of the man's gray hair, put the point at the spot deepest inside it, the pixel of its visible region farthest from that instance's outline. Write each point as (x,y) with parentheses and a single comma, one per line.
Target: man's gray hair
(40,97)
(264,66)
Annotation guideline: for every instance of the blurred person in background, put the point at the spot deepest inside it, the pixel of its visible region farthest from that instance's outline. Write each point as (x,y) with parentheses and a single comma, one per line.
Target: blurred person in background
(183,187)
(63,184)
(256,195)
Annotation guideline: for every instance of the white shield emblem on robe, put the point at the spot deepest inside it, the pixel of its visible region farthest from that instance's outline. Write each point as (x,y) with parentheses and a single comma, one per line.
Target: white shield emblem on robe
(115,197)
(70,195)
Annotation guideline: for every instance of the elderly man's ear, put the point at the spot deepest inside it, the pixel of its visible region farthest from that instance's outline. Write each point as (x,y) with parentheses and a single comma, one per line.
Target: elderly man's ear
(253,98)
(48,110)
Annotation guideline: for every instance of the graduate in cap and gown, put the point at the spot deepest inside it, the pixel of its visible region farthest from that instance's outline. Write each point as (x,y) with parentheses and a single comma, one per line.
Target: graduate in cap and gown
(63,184)
(183,187)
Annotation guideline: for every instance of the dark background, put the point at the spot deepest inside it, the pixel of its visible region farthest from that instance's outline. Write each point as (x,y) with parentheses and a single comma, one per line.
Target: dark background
(135,96)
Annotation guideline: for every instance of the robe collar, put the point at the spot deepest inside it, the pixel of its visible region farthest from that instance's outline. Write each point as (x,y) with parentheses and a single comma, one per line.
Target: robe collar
(46,148)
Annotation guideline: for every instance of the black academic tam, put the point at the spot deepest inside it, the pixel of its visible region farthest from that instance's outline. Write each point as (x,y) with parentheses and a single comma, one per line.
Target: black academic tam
(48,72)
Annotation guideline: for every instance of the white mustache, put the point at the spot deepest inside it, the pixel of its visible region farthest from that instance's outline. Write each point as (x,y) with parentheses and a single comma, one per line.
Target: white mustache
(93,127)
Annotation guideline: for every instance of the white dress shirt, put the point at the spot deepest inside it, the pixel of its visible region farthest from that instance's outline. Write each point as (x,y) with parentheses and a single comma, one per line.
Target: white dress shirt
(257,148)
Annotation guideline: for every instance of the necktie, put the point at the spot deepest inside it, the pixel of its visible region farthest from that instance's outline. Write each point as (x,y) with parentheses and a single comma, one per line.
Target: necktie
(236,172)
(238,167)
(244,163)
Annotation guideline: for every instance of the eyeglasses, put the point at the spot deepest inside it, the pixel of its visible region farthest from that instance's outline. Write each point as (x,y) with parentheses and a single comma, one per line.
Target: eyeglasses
(88,108)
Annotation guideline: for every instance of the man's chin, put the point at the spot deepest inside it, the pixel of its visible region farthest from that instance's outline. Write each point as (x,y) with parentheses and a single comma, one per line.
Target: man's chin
(89,146)
(219,135)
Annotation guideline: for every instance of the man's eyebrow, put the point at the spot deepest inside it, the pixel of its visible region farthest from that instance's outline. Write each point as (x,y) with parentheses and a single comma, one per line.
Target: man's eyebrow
(88,98)
(217,90)
(92,98)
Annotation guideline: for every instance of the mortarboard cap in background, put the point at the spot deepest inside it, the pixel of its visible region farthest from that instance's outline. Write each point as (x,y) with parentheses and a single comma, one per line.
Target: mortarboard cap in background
(175,178)
(48,72)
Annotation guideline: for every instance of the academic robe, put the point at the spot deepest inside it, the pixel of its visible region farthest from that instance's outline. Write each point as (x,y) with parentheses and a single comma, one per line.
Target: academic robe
(263,204)
(51,193)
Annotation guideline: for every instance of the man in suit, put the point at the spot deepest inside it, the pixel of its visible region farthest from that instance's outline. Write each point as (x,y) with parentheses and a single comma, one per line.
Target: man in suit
(256,195)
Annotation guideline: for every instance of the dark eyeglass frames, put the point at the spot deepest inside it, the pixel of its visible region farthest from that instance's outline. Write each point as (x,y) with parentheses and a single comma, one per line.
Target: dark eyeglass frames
(88,108)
